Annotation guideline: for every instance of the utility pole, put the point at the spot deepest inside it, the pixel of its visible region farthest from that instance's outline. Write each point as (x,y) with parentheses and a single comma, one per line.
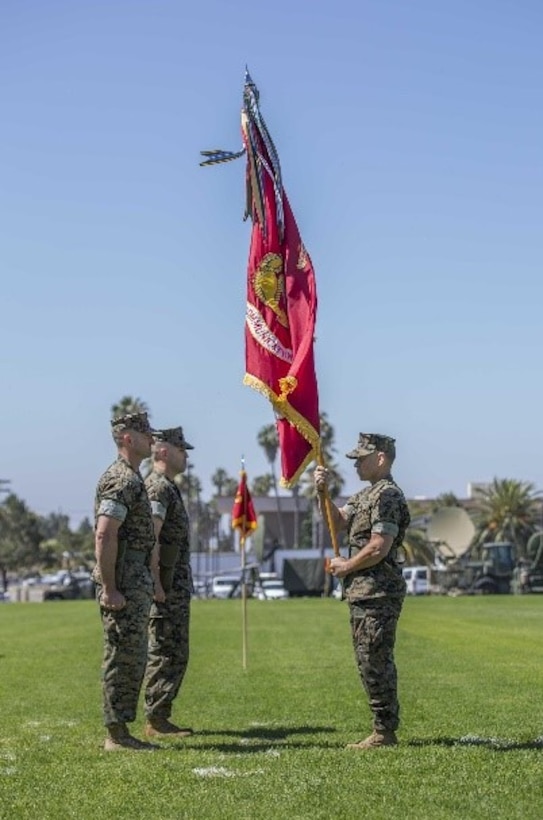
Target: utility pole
(4,488)
(296,495)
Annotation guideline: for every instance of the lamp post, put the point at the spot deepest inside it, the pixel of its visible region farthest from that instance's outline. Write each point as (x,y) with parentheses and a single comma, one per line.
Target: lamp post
(270,448)
(296,496)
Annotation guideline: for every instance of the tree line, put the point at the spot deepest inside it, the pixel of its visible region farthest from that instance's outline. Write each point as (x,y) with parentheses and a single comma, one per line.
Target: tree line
(505,510)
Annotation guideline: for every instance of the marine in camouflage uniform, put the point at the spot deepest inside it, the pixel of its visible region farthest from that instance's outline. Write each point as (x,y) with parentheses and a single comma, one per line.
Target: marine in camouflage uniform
(168,650)
(375,519)
(124,589)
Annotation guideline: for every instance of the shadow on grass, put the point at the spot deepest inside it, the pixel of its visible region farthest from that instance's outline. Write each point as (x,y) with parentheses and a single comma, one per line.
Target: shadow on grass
(267,732)
(258,739)
(251,748)
(494,743)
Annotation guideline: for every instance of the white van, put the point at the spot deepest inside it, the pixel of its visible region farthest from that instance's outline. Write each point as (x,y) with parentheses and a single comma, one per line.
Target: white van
(229,586)
(417,579)
(222,586)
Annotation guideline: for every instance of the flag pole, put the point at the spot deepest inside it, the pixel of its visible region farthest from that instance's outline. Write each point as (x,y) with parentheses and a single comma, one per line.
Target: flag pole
(243,604)
(243,519)
(328,512)
(243,579)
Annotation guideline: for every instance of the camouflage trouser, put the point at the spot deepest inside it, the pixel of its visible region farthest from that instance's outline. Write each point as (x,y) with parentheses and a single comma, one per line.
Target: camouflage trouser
(373,629)
(168,654)
(125,649)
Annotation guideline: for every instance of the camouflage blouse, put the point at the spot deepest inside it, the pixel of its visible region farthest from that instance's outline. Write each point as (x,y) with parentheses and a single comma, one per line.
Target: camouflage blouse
(121,494)
(167,504)
(379,508)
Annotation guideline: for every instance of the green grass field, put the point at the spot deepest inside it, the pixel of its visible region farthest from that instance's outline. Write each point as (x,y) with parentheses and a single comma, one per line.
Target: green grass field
(270,740)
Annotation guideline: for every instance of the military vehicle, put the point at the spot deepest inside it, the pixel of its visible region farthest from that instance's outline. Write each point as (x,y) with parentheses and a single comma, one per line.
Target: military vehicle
(498,570)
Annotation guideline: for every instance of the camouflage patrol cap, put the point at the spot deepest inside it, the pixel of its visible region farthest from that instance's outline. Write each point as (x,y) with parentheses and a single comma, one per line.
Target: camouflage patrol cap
(371,443)
(173,435)
(138,422)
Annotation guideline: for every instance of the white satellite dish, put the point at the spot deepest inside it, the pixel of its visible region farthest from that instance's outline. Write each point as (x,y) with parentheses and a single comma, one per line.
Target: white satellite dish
(451,528)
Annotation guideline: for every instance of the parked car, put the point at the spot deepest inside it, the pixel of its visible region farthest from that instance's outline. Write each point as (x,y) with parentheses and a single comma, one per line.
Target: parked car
(271,589)
(67,586)
(200,588)
(417,580)
(226,586)
(337,592)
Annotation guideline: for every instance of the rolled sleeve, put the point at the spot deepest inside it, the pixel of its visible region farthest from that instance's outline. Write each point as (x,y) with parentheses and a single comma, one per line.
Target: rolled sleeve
(113,509)
(387,514)
(158,510)
(385,528)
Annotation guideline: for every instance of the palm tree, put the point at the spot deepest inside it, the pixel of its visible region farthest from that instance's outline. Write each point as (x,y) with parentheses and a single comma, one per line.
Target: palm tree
(129,404)
(448,499)
(336,481)
(327,434)
(230,487)
(209,523)
(222,482)
(507,510)
(261,484)
(268,439)
(190,487)
(418,550)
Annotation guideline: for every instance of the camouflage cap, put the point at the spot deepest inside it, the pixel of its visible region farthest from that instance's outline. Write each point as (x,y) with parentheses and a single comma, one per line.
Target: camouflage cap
(139,422)
(371,443)
(173,435)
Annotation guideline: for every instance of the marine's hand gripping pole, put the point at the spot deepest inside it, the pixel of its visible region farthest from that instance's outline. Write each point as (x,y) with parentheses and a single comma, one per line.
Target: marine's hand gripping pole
(326,503)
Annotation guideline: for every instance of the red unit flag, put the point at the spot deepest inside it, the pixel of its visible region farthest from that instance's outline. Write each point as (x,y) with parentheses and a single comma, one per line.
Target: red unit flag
(281,297)
(243,512)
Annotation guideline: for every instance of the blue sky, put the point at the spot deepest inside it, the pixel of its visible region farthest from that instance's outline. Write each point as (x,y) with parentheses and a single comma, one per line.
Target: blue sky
(410,138)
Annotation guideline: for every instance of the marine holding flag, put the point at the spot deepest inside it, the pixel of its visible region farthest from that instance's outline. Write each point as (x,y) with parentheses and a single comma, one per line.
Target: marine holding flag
(281,297)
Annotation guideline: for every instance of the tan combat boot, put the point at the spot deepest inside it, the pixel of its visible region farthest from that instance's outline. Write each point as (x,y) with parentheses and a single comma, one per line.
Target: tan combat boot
(161,726)
(119,739)
(377,739)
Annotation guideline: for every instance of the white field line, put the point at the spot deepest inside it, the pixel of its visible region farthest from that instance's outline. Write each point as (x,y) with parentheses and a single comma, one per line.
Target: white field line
(221,771)
(501,743)
(7,757)
(50,724)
